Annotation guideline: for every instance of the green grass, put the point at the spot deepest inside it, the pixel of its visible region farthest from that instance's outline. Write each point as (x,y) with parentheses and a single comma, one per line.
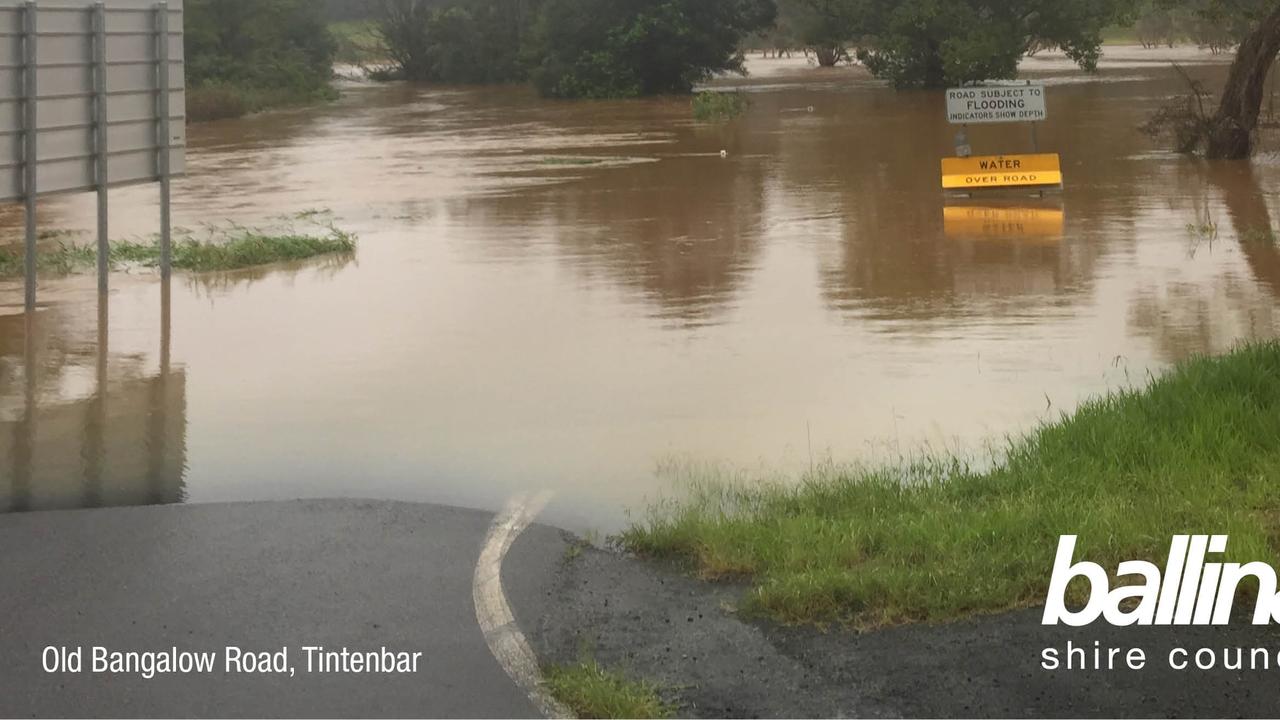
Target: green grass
(934,539)
(357,42)
(1258,236)
(711,106)
(62,258)
(228,247)
(591,691)
(222,101)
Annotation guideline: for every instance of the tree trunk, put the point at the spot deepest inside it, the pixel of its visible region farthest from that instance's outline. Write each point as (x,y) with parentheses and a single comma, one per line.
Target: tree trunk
(828,56)
(935,72)
(1231,136)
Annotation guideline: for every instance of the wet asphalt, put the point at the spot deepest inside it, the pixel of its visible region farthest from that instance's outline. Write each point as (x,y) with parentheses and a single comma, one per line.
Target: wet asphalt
(368,575)
(260,577)
(653,623)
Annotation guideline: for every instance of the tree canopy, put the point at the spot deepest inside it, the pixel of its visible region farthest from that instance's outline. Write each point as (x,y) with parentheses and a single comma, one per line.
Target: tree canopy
(571,48)
(934,43)
(464,41)
(258,43)
(611,48)
(247,55)
(827,27)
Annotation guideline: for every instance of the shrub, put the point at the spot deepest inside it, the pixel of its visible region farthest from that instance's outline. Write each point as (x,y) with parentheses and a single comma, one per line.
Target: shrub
(713,106)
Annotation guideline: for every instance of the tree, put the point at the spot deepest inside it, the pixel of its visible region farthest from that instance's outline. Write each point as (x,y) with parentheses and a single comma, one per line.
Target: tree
(1227,133)
(258,43)
(466,41)
(935,43)
(1156,26)
(247,55)
(1231,133)
(404,30)
(827,27)
(626,48)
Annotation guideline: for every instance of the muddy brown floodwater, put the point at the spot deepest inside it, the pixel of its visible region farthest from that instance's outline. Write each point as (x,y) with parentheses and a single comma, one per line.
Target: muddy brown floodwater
(566,296)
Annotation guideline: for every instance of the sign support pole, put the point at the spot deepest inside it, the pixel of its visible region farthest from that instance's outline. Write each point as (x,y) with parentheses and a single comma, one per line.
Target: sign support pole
(30,158)
(100,142)
(159,438)
(24,445)
(164,139)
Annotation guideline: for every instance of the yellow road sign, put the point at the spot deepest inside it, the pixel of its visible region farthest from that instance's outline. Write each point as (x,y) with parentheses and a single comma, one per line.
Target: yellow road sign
(1001,171)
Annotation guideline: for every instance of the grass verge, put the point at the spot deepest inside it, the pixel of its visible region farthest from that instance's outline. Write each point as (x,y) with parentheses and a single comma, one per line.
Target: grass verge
(591,691)
(1197,451)
(228,247)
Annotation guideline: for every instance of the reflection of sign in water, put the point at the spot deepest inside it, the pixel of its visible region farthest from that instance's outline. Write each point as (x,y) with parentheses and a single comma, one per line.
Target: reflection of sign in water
(997,104)
(126,446)
(1008,222)
(998,171)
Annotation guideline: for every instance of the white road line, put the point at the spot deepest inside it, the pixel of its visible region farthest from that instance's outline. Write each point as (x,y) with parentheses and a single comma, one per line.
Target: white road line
(507,643)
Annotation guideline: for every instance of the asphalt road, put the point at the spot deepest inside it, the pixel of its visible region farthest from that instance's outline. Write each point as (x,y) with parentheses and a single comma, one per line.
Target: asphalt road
(656,624)
(260,577)
(371,575)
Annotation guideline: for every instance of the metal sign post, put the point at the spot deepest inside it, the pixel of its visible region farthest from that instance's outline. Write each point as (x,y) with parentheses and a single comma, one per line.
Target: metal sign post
(164,141)
(102,172)
(30,129)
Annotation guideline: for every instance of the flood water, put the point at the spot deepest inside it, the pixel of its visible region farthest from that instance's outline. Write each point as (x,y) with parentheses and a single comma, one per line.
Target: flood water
(565,296)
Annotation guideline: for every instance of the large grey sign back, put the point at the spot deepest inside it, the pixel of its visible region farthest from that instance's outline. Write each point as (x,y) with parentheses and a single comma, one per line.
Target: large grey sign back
(98,75)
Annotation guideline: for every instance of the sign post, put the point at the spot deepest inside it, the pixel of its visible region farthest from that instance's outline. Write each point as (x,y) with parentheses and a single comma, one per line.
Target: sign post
(30,148)
(164,150)
(102,174)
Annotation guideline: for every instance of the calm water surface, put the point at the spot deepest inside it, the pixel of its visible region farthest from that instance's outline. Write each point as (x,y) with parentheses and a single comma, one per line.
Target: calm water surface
(565,296)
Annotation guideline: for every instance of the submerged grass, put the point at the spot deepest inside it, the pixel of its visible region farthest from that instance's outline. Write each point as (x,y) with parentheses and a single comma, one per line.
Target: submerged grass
(1198,451)
(714,106)
(591,691)
(225,247)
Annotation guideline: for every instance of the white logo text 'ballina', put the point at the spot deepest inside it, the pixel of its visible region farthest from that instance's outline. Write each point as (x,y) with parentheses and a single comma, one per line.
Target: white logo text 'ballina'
(1189,591)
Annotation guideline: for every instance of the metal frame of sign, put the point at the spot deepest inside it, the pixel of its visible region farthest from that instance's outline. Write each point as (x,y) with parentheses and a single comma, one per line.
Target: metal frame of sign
(92,93)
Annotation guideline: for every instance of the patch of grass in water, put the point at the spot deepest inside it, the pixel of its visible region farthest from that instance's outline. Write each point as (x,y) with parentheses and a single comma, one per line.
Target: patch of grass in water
(712,106)
(226,247)
(1258,236)
(63,258)
(930,540)
(591,691)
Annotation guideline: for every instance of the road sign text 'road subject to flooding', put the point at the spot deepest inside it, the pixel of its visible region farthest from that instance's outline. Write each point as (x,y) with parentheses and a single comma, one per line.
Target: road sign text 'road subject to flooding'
(997,104)
(1001,171)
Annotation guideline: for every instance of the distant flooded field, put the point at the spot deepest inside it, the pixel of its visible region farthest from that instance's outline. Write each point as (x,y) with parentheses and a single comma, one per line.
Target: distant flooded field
(567,295)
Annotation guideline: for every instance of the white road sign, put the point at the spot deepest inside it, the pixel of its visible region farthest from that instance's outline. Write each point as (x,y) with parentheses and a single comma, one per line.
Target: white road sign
(91,66)
(91,97)
(997,104)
